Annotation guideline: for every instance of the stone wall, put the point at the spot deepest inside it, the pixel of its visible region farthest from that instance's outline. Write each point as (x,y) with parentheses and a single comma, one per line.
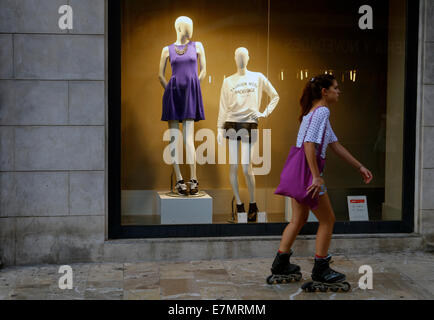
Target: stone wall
(427,140)
(52,132)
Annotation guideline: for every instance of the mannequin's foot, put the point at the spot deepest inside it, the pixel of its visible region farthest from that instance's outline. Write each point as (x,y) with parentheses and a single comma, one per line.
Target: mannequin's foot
(194,186)
(253,212)
(181,187)
(240,208)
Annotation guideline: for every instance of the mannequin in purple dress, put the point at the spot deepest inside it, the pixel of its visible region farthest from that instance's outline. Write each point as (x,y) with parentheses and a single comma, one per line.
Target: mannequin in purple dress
(182,99)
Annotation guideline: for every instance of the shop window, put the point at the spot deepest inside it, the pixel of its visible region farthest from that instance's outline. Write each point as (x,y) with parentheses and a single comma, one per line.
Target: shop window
(364,44)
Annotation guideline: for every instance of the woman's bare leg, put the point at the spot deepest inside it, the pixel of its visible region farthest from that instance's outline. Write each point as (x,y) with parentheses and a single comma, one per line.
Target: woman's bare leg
(300,214)
(326,217)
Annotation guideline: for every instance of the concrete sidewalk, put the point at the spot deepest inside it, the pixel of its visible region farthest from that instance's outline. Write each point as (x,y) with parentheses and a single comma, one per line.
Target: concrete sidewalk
(395,276)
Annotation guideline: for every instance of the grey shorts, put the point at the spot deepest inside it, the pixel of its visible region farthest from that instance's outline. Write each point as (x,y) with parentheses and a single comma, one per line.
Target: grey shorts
(323,188)
(237,126)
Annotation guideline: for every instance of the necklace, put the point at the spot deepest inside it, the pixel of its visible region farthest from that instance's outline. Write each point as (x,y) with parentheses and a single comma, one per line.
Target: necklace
(183,51)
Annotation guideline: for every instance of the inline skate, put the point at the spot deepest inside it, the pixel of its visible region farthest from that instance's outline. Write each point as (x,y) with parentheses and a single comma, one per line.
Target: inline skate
(282,271)
(325,278)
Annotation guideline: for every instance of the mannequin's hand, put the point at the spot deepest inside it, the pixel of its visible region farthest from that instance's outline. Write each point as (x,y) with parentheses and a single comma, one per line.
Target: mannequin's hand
(257,115)
(366,174)
(220,135)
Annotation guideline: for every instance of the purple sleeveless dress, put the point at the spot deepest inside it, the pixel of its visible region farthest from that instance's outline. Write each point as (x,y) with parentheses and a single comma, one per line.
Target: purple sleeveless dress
(182,98)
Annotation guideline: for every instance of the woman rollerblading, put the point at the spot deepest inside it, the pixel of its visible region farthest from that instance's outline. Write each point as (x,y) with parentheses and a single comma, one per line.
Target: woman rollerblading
(302,180)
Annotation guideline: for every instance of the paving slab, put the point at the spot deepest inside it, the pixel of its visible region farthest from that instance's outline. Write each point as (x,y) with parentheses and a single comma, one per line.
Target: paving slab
(397,276)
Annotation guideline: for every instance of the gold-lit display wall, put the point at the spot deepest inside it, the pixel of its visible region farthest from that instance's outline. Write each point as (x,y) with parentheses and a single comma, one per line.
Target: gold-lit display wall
(289,42)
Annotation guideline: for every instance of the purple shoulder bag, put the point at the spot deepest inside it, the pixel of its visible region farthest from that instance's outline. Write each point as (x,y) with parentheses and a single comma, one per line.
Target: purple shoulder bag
(296,176)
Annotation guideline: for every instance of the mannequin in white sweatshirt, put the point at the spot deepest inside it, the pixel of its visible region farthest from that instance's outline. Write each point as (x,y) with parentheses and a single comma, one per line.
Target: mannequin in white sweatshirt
(240,101)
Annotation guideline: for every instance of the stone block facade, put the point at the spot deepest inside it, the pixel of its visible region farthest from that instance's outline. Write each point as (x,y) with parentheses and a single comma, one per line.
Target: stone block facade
(426,151)
(52,132)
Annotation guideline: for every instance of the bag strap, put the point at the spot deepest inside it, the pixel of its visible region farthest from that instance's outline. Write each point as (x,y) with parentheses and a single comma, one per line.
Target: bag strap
(310,120)
(307,129)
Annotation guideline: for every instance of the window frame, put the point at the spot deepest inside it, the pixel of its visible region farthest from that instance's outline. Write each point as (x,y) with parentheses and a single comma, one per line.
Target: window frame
(118,231)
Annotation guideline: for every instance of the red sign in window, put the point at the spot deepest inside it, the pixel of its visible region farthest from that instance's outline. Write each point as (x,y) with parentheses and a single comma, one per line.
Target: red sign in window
(357,201)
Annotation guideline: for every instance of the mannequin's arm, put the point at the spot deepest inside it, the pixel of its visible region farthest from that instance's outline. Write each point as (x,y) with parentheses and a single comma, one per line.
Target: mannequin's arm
(222,114)
(163,63)
(274,96)
(202,61)
(222,106)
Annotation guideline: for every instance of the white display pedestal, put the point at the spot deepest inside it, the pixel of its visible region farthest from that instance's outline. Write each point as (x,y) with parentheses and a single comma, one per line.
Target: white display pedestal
(288,212)
(242,217)
(184,210)
(261,218)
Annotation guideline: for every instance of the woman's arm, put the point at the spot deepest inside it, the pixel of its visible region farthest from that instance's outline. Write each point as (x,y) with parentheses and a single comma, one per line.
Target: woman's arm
(317,181)
(347,156)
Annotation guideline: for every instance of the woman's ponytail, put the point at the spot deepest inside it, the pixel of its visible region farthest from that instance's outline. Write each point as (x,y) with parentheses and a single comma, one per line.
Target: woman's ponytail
(312,92)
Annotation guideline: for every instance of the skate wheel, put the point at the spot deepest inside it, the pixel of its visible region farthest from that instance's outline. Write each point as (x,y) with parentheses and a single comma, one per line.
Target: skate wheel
(334,289)
(346,287)
(323,289)
(311,289)
(307,287)
(298,277)
(270,279)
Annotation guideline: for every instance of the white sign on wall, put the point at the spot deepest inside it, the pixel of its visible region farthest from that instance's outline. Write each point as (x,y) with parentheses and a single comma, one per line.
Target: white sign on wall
(358,208)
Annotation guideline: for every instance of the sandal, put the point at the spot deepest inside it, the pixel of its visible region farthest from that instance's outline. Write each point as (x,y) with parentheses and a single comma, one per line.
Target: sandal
(194,186)
(181,187)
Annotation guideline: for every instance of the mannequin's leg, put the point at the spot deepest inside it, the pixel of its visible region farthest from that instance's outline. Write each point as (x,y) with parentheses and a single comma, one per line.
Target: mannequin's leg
(248,170)
(188,133)
(174,124)
(247,148)
(233,171)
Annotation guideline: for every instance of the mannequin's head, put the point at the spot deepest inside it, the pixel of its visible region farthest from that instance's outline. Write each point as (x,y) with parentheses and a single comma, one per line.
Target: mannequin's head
(184,27)
(241,57)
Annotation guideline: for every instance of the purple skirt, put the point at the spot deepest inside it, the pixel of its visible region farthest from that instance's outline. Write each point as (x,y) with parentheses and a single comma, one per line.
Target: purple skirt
(183,101)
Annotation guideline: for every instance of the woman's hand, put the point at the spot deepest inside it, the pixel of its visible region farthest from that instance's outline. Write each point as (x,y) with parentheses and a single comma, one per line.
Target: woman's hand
(316,186)
(366,174)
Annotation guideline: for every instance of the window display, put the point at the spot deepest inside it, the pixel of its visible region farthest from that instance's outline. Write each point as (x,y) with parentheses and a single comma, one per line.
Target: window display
(220,115)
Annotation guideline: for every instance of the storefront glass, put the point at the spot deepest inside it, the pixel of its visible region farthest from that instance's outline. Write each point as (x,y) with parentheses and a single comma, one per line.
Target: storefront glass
(288,42)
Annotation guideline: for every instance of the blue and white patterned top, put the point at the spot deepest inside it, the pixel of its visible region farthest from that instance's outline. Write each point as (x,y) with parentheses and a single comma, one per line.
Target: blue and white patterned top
(320,123)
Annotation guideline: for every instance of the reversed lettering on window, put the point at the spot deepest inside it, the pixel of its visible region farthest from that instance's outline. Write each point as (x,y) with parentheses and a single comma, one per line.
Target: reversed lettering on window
(367,20)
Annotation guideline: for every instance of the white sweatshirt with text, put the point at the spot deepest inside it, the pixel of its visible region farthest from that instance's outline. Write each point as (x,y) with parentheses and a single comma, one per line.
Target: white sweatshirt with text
(241,96)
